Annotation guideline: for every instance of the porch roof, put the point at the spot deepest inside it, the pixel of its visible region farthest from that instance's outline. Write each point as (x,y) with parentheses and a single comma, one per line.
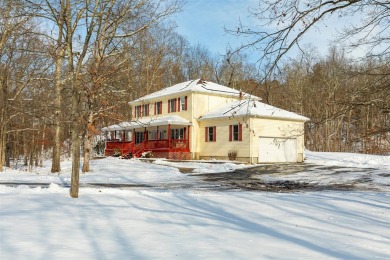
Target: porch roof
(147,122)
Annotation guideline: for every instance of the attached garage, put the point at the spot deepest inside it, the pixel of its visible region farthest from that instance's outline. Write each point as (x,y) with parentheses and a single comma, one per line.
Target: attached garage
(269,134)
(274,149)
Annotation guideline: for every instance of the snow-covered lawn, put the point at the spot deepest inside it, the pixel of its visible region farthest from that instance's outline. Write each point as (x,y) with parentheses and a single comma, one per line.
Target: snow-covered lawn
(107,223)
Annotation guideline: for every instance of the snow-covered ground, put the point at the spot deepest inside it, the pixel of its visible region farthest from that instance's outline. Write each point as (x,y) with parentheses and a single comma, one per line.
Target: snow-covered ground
(109,223)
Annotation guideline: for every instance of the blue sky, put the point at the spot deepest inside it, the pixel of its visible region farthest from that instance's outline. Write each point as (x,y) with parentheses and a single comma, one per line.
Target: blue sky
(203,21)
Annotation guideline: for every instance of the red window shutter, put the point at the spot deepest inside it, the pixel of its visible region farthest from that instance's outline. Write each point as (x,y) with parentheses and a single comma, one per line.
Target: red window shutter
(206,134)
(169,106)
(178,104)
(160,107)
(215,133)
(185,103)
(239,132)
(155,107)
(230,133)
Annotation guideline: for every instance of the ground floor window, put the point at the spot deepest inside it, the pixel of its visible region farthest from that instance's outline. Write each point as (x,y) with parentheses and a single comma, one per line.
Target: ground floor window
(235,132)
(177,133)
(139,137)
(211,134)
(162,135)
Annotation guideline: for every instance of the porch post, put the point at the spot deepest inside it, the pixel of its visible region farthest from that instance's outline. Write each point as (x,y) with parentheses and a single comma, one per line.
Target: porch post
(144,137)
(188,137)
(105,142)
(169,136)
(133,146)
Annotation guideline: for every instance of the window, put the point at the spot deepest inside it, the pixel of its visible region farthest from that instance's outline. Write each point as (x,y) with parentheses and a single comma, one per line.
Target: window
(128,135)
(172,105)
(211,134)
(177,134)
(158,108)
(153,135)
(235,132)
(137,112)
(162,135)
(183,103)
(145,110)
(139,137)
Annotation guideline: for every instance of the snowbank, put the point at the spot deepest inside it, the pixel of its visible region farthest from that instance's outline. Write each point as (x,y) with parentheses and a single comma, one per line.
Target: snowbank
(348,160)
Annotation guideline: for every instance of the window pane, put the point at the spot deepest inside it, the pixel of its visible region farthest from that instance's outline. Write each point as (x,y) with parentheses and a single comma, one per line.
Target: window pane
(183,103)
(158,107)
(235,132)
(138,111)
(139,137)
(146,110)
(172,104)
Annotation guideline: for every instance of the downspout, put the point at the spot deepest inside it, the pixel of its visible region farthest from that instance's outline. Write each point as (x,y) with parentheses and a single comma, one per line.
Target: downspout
(192,142)
(250,141)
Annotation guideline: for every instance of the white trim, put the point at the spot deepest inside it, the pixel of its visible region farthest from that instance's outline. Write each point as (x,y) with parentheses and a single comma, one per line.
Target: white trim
(147,122)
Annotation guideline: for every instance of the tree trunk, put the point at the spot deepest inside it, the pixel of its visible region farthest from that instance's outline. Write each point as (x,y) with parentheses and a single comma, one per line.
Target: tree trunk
(56,160)
(87,143)
(74,188)
(42,147)
(24,140)
(2,146)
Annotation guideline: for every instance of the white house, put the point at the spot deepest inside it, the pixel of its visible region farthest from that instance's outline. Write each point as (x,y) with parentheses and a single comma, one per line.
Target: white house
(198,119)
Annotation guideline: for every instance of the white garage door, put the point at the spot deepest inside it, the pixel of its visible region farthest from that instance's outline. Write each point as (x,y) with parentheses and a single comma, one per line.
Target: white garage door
(277,150)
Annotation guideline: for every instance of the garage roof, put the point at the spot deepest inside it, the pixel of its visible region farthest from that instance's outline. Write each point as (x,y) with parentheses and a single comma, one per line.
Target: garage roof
(252,108)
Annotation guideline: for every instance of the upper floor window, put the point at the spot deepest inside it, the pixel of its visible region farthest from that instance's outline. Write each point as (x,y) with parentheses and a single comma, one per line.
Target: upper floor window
(145,109)
(235,132)
(211,134)
(158,108)
(137,112)
(172,105)
(183,103)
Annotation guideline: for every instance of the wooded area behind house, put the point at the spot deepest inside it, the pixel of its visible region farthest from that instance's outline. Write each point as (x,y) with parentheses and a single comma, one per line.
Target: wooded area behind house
(69,67)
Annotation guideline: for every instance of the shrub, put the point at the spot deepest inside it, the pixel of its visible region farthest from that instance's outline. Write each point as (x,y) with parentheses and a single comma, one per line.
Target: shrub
(147,154)
(232,155)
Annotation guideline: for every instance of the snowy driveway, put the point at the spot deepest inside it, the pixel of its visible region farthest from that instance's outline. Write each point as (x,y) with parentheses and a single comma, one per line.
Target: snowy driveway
(302,176)
(164,175)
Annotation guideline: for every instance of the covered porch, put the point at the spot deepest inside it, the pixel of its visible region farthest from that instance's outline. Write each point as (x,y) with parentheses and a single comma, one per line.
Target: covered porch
(163,137)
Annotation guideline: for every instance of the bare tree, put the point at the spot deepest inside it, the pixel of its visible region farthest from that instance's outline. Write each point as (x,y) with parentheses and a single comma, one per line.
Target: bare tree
(95,29)
(20,66)
(293,19)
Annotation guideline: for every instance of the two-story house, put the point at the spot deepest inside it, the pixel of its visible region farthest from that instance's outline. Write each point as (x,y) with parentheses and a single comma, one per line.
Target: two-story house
(202,120)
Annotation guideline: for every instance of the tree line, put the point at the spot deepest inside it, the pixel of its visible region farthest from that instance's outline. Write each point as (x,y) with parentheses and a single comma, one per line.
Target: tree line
(69,67)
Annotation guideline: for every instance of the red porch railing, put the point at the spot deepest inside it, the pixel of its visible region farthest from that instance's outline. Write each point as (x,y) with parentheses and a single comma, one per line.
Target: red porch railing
(113,147)
(172,145)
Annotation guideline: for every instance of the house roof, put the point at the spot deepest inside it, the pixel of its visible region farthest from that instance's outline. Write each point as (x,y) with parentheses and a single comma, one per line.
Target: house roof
(147,122)
(252,108)
(197,85)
